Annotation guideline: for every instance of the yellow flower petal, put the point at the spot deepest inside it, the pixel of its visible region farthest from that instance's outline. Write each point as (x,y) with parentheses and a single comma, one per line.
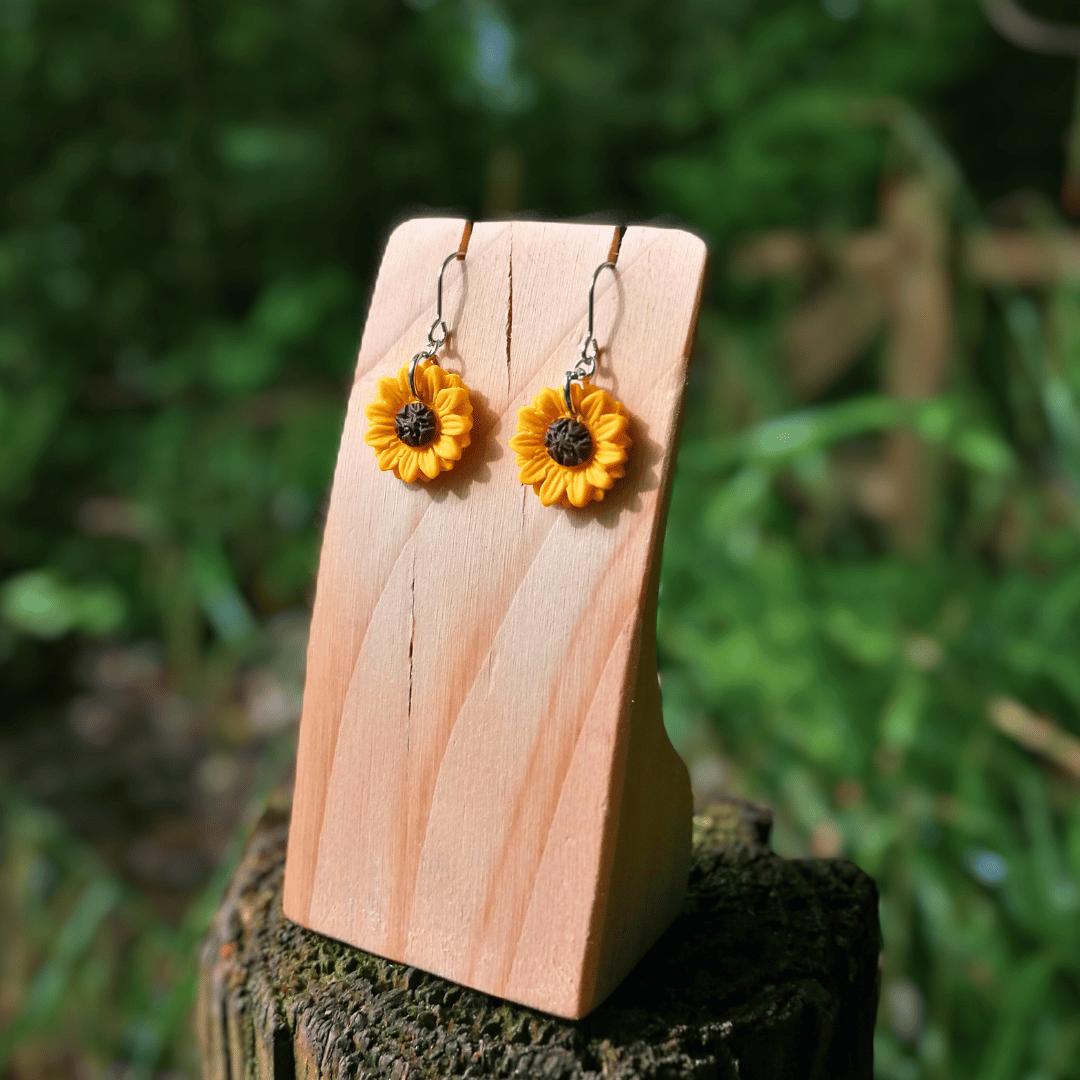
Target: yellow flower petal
(454,422)
(429,463)
(530,419)
(388,458)
(534,470)
(435,380)
(380,440)
(379,420)
(455,425)
(607,422)
(608,455)
(579,490)
(447,448)
(452,399)
(599,477)
(533,436)
(550,403)
(409,465)
(553,486)
(390,396)
(609,428)
(527,443)
(594,406)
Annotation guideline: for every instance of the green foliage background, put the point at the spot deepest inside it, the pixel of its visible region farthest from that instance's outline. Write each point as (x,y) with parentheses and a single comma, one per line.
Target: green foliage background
(194,198)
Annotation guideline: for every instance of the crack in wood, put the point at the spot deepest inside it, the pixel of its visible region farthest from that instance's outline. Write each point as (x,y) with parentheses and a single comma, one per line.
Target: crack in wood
(509,304)
(412,643)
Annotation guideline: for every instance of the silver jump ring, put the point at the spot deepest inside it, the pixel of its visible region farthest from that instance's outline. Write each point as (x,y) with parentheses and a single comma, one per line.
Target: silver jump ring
(444,333)
(423,354)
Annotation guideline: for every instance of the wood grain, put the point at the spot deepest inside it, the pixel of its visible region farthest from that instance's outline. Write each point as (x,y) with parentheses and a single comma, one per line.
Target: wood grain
(484,787)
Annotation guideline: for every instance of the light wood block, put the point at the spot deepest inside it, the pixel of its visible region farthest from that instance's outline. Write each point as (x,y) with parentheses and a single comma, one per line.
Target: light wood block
(484,786)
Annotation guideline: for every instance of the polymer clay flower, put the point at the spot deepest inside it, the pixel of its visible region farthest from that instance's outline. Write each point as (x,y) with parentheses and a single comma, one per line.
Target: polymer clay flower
(421,435)
(572,459)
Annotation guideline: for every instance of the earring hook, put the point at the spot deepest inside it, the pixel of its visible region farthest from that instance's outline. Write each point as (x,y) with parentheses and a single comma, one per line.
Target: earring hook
(434,343)
(585,368)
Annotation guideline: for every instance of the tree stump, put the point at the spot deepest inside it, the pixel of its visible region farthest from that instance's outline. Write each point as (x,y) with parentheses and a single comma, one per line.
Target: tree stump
(770,970)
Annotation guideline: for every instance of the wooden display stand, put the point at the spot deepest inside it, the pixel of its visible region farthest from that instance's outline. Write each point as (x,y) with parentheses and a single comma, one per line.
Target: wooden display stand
(484,787)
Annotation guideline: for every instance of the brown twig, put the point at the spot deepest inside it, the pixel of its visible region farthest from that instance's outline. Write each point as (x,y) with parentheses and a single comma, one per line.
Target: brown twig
(1035,733)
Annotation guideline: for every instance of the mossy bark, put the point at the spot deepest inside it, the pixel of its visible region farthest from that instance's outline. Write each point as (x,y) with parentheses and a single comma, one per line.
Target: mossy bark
(770,971)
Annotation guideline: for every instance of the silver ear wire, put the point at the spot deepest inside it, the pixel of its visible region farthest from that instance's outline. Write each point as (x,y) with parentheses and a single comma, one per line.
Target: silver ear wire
(585,368)
(436,343)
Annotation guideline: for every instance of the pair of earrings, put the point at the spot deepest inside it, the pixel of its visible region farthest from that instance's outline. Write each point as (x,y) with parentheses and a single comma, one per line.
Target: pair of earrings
(571,443)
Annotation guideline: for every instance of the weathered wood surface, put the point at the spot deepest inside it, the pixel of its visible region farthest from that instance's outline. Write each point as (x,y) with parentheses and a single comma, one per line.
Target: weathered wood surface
(484,786)
(770,971)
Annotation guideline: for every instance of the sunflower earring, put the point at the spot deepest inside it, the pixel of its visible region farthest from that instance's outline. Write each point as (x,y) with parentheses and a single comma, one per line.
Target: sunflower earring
(571,443)
(420,421)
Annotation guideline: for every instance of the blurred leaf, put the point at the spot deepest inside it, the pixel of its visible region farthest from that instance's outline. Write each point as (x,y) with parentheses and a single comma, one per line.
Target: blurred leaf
(984,451)
(222,603)
(737,499)
(39,1007)
(262,146)
(867,644)
(41,604)
(1024,1000)
(26,425)
(290,310)
(900,721)
(37,603)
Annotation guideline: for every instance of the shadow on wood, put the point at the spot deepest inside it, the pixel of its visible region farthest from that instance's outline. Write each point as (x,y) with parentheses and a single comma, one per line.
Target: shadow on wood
(769,971)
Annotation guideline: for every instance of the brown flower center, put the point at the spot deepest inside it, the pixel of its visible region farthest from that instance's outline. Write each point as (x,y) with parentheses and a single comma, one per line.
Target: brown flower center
(568,441)
(415,424)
